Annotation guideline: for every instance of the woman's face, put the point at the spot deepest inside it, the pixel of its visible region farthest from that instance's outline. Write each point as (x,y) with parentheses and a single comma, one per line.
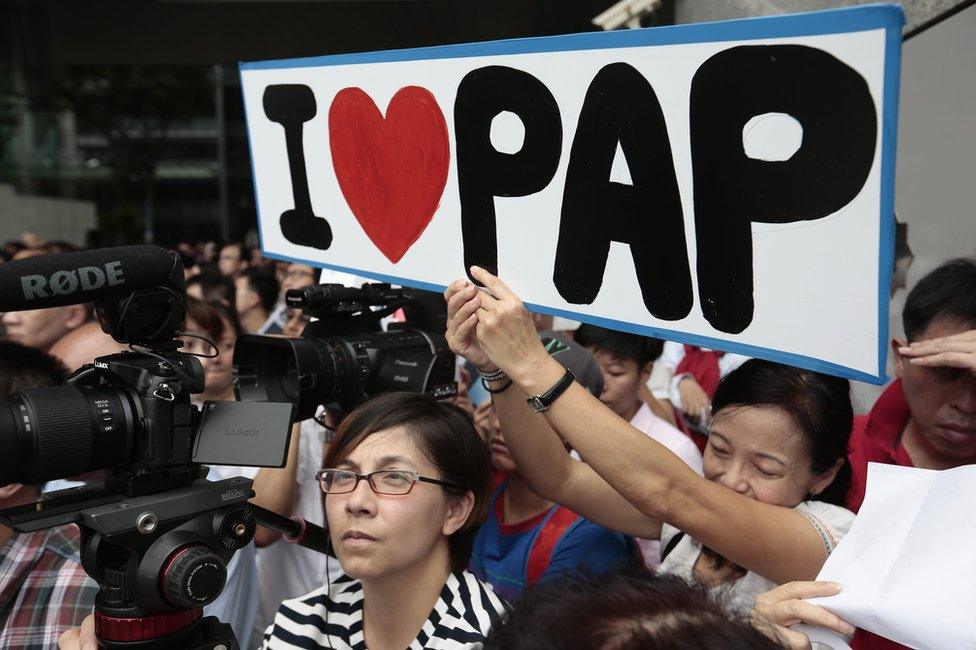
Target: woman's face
(219,370)
(759,452)
(377,535)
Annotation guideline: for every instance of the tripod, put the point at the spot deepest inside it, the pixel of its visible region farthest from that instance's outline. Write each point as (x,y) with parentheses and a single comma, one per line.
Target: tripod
(158,559)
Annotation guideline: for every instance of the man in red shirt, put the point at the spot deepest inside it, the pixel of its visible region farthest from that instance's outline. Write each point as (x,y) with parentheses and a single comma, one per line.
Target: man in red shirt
(927,417)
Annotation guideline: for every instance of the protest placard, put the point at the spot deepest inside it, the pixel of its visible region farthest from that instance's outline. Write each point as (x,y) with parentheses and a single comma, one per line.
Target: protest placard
(723,184)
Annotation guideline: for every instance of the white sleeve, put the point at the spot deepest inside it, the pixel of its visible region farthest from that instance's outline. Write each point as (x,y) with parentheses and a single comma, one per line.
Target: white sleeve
(831,522)
(659,383)
(667,534)
(671,356)
(729,362)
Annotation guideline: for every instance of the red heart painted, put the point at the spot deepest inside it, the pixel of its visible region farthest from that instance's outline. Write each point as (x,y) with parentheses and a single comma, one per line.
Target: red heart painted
(392,171)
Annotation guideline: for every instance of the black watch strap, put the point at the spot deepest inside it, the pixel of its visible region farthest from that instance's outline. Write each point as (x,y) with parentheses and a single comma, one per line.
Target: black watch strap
(540,403)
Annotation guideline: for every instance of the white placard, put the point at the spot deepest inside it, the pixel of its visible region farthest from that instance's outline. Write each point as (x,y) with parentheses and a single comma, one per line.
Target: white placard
(722,184)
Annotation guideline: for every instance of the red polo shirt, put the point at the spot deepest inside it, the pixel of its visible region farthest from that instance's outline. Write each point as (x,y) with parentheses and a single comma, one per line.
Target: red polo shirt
(876,437)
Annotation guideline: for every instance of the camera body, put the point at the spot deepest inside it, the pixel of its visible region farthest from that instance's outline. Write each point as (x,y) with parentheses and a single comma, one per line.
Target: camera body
(128,413)
(344,357)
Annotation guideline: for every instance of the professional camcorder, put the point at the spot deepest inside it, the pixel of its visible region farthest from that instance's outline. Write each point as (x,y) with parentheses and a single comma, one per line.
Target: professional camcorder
(343,357)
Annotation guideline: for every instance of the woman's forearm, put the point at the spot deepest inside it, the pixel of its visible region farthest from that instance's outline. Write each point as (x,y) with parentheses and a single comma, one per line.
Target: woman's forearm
(538,452)
(545,464)
(662,487)
(642,470)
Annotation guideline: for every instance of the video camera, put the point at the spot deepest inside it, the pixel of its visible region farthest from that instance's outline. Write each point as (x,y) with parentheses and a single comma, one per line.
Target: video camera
(343,357)
(157,536)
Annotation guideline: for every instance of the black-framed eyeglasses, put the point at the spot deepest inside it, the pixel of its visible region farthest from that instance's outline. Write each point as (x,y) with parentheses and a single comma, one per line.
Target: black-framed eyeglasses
(385,481)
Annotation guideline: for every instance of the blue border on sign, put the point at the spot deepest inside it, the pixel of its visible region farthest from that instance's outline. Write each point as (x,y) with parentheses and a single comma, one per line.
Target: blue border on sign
(890,17)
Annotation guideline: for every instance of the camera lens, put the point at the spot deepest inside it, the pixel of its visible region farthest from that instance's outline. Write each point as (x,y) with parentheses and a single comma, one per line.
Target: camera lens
(302,371)
(62,431)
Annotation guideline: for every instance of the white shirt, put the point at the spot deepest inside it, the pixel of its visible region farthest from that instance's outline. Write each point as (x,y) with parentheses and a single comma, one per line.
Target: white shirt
(739,596)
(672,356)
(237,604)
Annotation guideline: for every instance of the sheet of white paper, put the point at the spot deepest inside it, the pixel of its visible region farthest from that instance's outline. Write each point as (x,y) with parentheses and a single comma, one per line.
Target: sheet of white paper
(908,564)
(821,638)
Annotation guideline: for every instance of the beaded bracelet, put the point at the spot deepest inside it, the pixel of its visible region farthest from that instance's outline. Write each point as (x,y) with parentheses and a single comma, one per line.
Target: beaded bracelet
(496,390)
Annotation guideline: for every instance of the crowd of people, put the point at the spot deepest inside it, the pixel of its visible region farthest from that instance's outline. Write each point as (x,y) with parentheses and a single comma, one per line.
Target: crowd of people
(586,488)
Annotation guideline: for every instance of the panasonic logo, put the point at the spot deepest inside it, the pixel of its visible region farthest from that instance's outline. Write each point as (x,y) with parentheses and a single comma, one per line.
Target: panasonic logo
(63,283)
(410,364)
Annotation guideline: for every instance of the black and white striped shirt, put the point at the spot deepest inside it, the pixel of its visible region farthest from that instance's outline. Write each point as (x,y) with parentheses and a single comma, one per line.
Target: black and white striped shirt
(333,618)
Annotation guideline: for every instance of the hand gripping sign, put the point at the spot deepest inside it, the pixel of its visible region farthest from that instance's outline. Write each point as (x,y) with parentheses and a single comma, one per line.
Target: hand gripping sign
(721,184)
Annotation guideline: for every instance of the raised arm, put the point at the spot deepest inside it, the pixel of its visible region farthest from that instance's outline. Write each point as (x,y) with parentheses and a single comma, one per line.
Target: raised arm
(539,453)
(648,475)
(277,489)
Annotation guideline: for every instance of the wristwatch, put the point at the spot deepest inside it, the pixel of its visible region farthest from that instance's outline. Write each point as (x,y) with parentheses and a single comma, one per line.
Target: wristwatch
(540,403)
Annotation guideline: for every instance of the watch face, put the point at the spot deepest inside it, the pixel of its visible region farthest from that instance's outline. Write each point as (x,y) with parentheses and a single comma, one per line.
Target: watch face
(536,404)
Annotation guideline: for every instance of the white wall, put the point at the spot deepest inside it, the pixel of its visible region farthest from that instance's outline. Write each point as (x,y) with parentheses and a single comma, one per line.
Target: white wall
(935,190)
(52,219)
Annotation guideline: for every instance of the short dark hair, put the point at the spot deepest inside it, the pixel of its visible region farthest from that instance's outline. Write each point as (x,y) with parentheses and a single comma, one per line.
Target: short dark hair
(59,247)
(629,609)
(622,345)
(23,367)
(947,292)
(242,249)
(210,315)
(264,284)
(214,286)
(819,405)
(10,248)
(444,434)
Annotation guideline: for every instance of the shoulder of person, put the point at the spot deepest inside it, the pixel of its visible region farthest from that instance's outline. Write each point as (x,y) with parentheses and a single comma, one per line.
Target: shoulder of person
(835,519)
(301,622)
(475,600)
(342,589)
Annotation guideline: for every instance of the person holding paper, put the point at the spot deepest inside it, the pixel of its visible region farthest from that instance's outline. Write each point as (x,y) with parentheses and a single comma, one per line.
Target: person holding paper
(775,465)
(927,417)
(778,610)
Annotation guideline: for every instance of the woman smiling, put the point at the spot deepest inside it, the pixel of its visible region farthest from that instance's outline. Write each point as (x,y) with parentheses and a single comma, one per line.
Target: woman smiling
(775,468)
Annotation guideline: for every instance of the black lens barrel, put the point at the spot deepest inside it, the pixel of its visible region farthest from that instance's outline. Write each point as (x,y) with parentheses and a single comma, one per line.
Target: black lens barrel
(62,431)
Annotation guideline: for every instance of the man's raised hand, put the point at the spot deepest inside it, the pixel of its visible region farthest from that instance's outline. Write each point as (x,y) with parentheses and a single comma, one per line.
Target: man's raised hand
(956,351)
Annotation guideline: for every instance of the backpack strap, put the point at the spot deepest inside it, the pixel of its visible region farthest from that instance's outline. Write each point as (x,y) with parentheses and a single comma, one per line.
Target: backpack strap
(540,554)
(671,544)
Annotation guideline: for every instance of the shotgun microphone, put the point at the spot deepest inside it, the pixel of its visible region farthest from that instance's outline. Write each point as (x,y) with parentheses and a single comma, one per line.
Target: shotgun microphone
(86,276)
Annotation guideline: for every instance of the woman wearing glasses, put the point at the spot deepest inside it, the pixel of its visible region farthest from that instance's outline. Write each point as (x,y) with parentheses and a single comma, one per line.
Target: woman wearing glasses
(775,468)
(406,482)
